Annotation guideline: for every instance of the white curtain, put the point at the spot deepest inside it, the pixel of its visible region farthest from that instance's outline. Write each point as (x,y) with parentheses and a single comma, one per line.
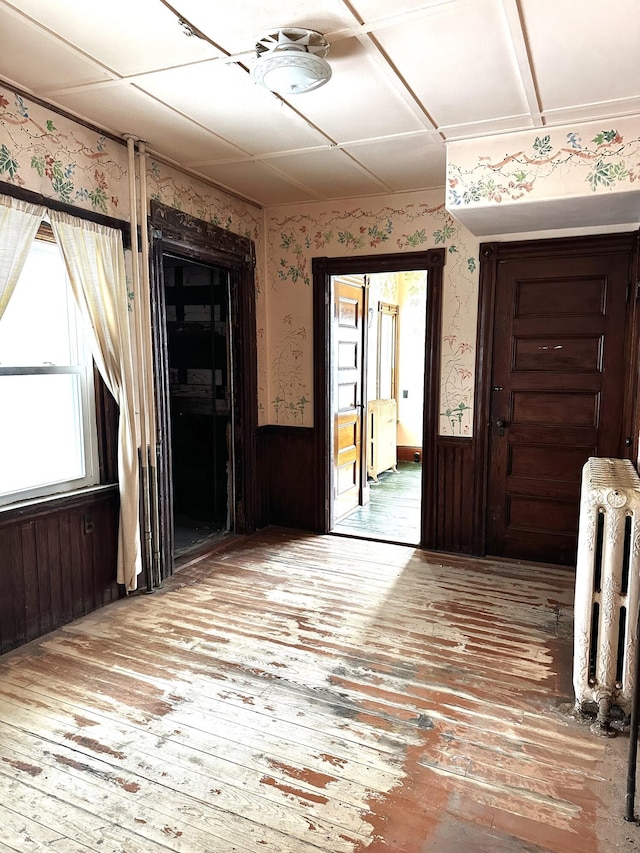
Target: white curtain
(19,223)
(94,258)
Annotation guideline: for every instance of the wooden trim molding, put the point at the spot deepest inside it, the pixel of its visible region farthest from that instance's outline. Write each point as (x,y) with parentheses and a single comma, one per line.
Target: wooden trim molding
(323,268)
(53,204)
(201,240)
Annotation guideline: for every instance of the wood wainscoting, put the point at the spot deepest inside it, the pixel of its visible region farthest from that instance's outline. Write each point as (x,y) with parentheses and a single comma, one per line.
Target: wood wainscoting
(58,563)
(454,476)
(289,493)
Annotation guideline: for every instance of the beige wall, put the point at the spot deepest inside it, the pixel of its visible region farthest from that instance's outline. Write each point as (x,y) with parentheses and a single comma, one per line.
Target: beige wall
(404,222)
(60,158)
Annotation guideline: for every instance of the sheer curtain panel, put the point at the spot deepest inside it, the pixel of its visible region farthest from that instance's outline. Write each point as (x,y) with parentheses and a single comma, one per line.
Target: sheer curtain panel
(19,223)
(94,258)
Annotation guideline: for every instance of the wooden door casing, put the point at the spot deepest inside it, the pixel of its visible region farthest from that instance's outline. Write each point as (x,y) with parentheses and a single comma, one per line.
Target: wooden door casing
(174,232)
(561,328)
(349,298)
(324,269)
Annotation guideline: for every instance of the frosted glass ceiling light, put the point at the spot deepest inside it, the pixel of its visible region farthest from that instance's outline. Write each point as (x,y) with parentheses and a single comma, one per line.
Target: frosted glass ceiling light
(291,61)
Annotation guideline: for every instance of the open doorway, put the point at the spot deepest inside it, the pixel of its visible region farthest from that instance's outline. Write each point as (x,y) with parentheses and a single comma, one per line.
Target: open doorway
(377,488)
(204,339)
(377,476)
(196,297)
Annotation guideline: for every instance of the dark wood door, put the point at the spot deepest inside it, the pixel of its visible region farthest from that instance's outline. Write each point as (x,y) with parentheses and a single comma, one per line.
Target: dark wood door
(348,344)
(558,387)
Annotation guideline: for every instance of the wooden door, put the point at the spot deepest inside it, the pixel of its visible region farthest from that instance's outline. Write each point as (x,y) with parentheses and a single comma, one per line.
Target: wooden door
(558,388)
(347,353)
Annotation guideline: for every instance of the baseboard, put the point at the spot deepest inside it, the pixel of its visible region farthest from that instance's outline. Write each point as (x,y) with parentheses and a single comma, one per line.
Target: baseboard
(407,454)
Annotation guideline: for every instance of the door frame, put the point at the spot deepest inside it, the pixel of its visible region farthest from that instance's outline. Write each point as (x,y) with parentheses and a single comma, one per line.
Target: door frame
(432,261)
(177,233)
(491,255)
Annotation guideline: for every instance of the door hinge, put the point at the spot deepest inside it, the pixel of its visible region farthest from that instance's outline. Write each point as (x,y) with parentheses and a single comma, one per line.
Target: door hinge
(637,290)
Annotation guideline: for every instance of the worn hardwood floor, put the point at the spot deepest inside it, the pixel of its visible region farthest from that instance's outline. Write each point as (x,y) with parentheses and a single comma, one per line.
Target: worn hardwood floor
(393,511)
(297,694)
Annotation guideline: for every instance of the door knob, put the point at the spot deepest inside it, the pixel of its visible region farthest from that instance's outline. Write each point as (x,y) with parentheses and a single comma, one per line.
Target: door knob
(501,424)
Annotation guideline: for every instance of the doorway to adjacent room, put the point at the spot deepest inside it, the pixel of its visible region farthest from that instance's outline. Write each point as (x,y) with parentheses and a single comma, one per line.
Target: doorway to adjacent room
(377,401)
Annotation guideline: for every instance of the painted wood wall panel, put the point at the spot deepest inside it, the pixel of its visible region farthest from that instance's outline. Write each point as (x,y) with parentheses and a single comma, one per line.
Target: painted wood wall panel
(454,512)
(288,474)
(52,570)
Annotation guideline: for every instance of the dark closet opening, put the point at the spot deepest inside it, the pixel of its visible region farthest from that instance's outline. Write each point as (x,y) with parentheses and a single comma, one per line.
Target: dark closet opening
(200,400)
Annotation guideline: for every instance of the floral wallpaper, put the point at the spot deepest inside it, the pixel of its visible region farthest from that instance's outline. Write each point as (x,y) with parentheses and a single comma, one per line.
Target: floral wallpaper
(50,154)
(403,222)
(582,160)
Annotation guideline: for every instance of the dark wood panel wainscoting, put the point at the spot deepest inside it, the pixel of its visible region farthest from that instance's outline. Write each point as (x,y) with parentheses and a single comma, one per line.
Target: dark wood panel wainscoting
(289,493)
(58,562)
(454,481)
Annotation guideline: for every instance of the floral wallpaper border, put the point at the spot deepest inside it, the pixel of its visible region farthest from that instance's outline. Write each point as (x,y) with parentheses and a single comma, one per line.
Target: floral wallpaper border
(50,154)
(591,159)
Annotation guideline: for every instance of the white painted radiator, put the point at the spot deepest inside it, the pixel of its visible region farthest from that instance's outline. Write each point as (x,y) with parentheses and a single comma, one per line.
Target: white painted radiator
(607,586)
(382,437)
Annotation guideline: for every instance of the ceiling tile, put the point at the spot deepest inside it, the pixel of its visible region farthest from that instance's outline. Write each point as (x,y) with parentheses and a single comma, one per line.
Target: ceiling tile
(406,163)
(256,181)
(56,64)
(486,128)
(582,53)
(237,26)
(225,99)
(329,174)
(373,10)
(359,101)
(466,63)
(567,115)
(122,109)
(128,37)
(459,61)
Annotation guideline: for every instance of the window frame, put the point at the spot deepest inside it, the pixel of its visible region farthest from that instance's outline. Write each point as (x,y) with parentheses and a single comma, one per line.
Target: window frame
(391,310)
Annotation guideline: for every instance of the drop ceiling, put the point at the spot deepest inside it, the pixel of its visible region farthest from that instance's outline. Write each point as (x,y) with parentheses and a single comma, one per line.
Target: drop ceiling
(408,76)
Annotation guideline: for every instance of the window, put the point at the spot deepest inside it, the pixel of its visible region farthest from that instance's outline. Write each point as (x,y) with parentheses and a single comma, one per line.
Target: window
(48,441)
(387,384)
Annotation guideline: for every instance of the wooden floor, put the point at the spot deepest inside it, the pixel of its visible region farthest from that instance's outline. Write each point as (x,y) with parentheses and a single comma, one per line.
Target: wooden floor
(297,694)
(393,511)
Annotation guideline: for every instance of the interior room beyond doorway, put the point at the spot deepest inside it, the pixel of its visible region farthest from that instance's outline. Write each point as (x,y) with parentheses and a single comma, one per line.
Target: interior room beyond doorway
(384,392)
(197,318)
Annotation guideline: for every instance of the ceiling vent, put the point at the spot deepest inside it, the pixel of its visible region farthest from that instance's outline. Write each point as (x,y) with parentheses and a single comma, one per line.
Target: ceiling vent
(291,61)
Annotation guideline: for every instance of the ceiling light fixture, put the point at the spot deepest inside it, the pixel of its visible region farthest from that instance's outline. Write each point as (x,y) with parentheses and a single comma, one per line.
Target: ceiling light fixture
(291,61)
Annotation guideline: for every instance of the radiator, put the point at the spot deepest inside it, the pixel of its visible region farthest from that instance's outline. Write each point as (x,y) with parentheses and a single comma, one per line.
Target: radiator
(382,430)
(607,587)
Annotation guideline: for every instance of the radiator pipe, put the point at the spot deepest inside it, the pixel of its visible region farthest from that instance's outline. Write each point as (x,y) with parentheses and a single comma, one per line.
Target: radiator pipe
(140,366)
(141,478)
(149,384)
(633,734)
